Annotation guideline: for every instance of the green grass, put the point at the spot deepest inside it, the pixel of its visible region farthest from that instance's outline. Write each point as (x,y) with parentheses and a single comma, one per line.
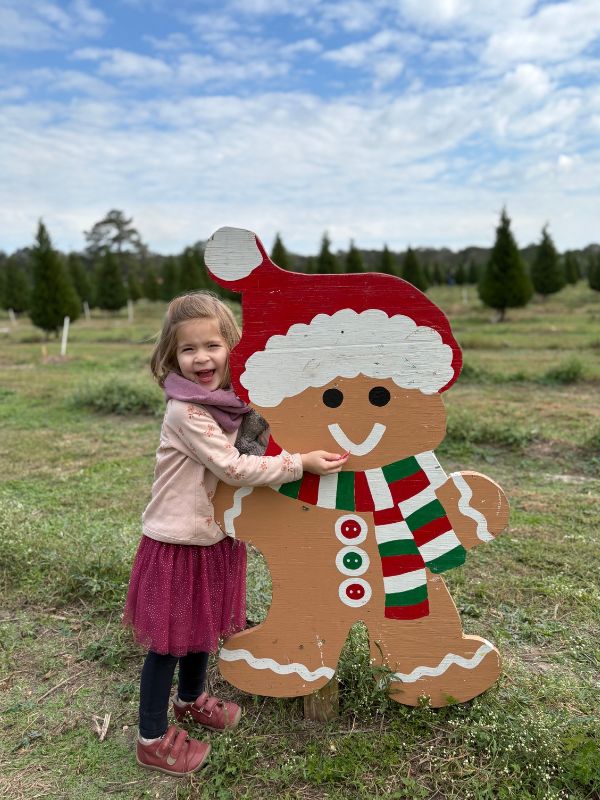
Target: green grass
(77,452)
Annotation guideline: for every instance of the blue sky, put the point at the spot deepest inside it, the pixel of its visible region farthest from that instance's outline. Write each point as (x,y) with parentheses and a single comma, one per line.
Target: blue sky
(396,121)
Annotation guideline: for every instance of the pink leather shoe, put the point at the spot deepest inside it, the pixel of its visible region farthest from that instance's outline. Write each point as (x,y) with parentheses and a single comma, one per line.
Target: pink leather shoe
(218,715)
(176,754)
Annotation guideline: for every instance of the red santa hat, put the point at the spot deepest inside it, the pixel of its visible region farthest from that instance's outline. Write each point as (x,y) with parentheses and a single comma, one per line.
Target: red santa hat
(302,331)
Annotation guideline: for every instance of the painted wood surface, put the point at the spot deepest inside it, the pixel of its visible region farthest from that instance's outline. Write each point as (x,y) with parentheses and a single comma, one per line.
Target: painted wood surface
(353,363)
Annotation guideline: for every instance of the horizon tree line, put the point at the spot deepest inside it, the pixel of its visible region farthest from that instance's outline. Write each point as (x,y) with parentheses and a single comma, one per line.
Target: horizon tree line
(116,266)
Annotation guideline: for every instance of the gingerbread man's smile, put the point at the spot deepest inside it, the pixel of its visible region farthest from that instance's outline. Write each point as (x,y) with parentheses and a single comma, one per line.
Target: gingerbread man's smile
(358,448)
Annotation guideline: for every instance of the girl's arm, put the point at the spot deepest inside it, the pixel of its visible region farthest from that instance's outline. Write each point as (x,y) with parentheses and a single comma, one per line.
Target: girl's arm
(201,438)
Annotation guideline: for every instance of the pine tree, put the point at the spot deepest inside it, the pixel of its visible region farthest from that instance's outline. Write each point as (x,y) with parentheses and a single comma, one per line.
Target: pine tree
(505,283)
(412,272)
(79,278)
(53,297)
(150,287)
(311,265)
(594,273)
(17,287)
(571,267)
(111,294)
(2,282)
(326,261)
(170,278)
(192,272)
(279,254)
(354,262)
(387,264)
(437,275)
(134,290)
(547,273)
(460,276)
(472,273)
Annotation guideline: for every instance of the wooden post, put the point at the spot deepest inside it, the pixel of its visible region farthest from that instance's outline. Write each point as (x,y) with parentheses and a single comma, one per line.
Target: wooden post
(130,311)
(11,316)
(323,705)
(65,336)
(86,310)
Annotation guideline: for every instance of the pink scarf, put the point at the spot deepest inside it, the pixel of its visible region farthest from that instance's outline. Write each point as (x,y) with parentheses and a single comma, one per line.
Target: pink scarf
(224,405)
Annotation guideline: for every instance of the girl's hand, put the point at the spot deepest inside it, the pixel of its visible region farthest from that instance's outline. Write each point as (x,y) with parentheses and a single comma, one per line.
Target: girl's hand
(322,463)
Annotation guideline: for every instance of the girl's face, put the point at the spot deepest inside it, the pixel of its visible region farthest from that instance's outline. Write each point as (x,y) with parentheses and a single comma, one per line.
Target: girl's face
(202,353)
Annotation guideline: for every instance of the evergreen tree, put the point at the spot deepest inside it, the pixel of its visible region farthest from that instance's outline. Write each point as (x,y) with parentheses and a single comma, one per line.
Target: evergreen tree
(412,272)
(192,272)
(150,287)
(472,273)
(460,276)
(2,283)
(279,254)
(571,267)
(505,283)
(386,264)
(53,296)
(311,265)
(170,278)
(80,278)
(437,276)
(547,273)
(134,290)
(354,262)
(326,261)
(594,273)
(17,287)
(111,294)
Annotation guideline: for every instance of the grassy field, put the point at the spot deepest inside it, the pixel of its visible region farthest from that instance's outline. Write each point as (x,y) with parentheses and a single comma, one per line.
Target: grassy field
(76,452)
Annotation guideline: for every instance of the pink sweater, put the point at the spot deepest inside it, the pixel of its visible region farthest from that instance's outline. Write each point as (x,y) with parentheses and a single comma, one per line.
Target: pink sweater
(193,455)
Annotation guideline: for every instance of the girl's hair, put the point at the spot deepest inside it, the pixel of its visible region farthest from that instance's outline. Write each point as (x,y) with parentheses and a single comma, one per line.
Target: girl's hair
(186,307)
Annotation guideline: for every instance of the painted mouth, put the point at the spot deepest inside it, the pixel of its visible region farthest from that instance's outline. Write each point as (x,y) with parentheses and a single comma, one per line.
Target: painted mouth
(358,448)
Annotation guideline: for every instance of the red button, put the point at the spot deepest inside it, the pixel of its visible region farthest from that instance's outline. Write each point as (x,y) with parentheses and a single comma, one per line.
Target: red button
(355,591)
(350,529)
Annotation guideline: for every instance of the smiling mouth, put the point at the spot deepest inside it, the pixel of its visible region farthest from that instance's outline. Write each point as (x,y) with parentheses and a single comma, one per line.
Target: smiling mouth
(358,448)
(205,375)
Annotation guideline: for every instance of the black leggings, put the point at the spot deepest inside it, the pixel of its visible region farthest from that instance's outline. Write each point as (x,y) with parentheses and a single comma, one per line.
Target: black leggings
(155,687)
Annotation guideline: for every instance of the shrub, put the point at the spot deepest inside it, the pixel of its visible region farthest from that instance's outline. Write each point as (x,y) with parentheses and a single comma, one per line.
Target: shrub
(570,371)
(119,397)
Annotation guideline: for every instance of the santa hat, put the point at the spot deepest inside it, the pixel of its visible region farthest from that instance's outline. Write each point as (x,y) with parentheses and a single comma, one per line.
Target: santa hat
(302,331)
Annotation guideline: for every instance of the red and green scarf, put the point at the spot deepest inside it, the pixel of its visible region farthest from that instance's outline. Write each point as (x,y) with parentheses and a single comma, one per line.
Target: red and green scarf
(411,526)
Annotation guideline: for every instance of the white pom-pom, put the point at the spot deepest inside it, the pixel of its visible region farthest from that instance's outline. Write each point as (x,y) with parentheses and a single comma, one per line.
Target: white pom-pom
(232,253)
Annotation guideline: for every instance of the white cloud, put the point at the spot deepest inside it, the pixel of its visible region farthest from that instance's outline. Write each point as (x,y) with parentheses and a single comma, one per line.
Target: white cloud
(470,15)
(555,33)
(31,25)
(125,65)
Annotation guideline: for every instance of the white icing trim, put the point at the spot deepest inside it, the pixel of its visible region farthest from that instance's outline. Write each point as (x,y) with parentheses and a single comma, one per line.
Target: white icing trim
(465,507)
(363,447)
(339,561)
(236,509)
(359,538)
(347,344)
(232,254)
(281,669)
(445,663)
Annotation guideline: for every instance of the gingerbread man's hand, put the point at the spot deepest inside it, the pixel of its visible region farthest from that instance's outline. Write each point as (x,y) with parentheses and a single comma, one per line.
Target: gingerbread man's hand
(476,507)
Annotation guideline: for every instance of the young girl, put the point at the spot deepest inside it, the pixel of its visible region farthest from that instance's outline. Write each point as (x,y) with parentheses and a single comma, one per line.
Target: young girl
(187,588)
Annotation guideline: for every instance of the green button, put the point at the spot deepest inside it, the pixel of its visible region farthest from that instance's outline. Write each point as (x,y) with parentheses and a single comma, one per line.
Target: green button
(352,560)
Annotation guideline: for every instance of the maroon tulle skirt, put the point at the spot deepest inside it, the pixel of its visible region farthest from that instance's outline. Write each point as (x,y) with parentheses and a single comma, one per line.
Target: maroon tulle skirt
(184,598)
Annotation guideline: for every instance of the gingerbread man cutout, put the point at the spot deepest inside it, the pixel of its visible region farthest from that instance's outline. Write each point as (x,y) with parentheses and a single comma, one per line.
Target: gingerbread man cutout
(353,362)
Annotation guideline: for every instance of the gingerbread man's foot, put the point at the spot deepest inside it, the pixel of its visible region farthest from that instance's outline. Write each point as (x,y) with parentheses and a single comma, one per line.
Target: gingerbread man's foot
(461,674)
(261,661)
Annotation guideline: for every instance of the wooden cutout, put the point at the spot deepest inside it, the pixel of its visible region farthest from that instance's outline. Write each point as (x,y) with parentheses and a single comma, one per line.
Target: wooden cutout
(354,363)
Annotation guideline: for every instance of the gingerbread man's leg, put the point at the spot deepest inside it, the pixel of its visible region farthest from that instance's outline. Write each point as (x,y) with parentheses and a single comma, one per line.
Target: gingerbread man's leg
(431,657)
(287,656)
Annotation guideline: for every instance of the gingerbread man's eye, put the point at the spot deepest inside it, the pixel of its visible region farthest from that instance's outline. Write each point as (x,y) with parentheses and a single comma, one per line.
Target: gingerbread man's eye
(333,398)
(379,396)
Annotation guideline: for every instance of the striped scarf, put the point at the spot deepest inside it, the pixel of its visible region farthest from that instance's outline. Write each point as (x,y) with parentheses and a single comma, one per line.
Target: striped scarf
(411,526)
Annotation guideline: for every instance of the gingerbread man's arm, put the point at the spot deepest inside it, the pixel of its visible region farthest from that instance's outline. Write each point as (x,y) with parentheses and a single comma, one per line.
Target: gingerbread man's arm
(476,507)
(242,511)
